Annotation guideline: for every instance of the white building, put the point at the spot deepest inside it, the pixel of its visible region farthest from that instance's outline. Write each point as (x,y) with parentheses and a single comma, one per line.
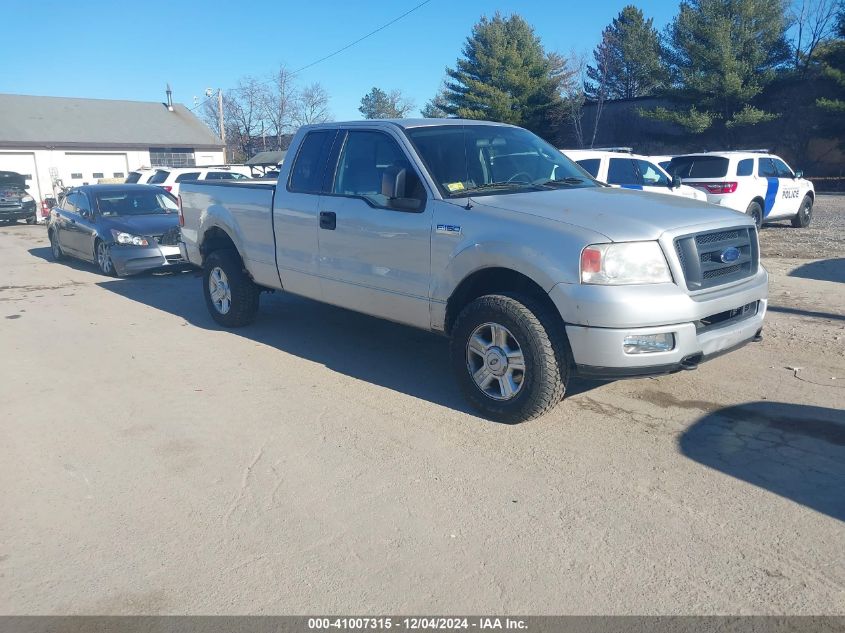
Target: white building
(63,141)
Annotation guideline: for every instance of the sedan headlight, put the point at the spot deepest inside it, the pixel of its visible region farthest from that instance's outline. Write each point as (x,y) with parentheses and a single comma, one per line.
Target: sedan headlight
(624,263)
(27,199)
(128,239)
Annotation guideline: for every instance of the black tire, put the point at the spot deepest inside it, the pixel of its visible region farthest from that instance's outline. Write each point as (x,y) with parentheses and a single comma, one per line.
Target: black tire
(544,348)
(55,247)
(756,212)
(106,265)
(805,214)
(243,293)
(31,219)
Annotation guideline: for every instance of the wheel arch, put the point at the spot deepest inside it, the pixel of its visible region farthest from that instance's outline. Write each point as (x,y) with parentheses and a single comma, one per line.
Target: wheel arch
(216,238)
(495,280)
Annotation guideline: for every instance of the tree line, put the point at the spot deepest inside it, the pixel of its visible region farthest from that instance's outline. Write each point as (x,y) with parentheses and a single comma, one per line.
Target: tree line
(719,67)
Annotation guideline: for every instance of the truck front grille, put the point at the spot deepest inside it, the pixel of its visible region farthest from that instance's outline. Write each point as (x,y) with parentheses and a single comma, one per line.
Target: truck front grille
(702,257)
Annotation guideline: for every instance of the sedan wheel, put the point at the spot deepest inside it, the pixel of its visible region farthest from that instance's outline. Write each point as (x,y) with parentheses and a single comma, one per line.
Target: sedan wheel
(104,259)
(55,249)
(219,290)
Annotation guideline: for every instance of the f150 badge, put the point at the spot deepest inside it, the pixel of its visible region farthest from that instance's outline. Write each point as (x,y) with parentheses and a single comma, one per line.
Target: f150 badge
(449,229)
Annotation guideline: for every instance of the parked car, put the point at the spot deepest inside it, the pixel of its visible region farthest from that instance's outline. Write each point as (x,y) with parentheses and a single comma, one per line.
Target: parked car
(755,182)
(124,229)
(141,176)
(15,201)
(621,168)
(488,234)
(170,178)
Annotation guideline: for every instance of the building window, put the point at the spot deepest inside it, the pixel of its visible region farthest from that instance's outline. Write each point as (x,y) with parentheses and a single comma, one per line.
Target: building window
(172,157)
(119,174)
(97,174)
(76,176)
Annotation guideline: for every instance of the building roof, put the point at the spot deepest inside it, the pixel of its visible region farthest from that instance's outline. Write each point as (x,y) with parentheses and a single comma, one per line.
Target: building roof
(29,121)
(267,158)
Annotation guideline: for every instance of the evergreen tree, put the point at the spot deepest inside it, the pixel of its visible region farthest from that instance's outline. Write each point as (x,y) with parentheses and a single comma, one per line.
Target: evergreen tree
(627,60)
(378,104)
(506,75)
(721,54)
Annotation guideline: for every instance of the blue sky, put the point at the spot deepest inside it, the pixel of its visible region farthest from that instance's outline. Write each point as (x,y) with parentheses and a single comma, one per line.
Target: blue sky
(130,50)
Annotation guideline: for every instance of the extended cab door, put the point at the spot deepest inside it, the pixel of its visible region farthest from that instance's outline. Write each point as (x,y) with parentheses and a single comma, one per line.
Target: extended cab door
(375,251)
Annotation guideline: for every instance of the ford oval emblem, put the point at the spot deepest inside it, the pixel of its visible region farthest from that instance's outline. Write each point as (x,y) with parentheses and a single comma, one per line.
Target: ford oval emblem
(729,255)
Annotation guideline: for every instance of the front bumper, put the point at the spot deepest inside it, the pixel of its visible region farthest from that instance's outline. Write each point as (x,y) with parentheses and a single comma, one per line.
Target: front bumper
(17,212)
(614,313)
(131,260)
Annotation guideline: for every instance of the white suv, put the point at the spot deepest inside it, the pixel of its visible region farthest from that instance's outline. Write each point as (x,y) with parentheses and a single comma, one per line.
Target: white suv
(620,168)
(169,177)
(755,182)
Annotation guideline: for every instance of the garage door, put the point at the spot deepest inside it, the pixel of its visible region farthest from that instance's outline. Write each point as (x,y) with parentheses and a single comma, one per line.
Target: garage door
(22,163)
(89,167)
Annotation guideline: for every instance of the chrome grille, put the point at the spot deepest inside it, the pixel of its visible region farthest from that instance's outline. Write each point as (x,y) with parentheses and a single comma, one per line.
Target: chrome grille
(700,256)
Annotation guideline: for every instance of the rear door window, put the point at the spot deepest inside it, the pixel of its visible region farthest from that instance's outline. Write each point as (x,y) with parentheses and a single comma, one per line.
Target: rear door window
(766,168)
(591,166)
(133,176)
(191,175)
(622,171)
(159,177)
(306,175)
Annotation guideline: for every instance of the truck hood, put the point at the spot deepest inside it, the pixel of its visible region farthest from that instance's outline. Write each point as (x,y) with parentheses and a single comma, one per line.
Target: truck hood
(618,214)
(153,224)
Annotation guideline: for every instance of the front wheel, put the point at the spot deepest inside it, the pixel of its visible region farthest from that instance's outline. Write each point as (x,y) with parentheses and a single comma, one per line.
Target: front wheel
(805,214)
(55,248)
(104,261)
(230,294)
(756,213)
(510,358)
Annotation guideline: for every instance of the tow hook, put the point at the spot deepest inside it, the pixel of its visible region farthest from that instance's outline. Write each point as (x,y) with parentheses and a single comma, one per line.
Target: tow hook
(689,363)
(759,336)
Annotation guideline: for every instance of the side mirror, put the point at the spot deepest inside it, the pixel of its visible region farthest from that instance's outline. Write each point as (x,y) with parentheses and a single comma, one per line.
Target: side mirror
(798,174)
(393,182)
(676,181)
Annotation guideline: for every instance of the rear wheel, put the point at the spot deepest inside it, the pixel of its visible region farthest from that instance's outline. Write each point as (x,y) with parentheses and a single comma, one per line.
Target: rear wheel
(805,214)
(756,213)
(55,248)
(509,357)
(230,294)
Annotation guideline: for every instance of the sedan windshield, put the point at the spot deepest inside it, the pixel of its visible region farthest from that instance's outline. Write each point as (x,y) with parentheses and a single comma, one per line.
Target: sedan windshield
(116,203)
(478,159)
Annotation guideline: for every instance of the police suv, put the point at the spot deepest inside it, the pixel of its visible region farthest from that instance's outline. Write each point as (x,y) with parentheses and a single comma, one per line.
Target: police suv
(752,181)
(619,167)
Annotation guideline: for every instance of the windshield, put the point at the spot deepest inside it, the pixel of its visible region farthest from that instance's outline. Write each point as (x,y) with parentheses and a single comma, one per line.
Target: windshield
(116,203)
(477,159)
(12,179)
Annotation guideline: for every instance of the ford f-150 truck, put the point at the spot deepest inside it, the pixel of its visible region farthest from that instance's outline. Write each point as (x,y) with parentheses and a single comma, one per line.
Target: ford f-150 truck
(486,233)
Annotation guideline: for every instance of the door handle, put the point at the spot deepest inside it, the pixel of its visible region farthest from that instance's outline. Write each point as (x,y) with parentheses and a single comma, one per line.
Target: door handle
(328,220)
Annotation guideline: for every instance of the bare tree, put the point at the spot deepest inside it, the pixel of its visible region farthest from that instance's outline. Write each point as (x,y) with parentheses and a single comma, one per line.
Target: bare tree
(279,101)
(572,93)
(312,106)
(814,21)
(602,72)
(245,107)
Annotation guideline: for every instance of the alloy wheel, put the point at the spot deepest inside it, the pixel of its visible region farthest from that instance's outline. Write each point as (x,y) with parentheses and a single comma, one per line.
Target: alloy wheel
(219,290)
(495,361)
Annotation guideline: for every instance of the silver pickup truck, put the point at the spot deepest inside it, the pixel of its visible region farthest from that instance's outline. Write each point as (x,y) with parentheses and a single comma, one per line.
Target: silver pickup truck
(486,233)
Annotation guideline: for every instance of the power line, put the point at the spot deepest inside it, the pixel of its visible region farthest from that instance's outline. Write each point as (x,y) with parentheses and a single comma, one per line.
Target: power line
(361,39)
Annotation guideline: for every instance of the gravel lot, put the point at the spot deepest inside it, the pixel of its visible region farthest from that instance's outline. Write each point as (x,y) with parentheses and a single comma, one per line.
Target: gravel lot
(323,461)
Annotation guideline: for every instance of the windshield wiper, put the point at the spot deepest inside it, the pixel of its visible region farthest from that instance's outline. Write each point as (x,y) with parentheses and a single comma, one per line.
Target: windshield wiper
(496,185)
(568,181)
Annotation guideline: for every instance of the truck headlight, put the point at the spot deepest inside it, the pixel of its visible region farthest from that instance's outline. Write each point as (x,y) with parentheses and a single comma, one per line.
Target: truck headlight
(624,263)
(128,239)
(27,199)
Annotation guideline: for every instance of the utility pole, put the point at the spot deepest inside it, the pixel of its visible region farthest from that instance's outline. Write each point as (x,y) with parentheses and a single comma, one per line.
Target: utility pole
(220,116)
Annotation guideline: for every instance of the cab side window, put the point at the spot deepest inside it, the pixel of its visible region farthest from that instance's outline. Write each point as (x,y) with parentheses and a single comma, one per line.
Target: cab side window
(82,204)
(622,171)
(306,175)
(782,169)
(70,202)
(368,162)
(745,167)
(651,175)
(766,168)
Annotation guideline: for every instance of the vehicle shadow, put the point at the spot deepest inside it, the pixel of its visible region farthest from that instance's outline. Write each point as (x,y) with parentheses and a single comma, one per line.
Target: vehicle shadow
(822,270)
(796,451)
(395,356)
(807,313)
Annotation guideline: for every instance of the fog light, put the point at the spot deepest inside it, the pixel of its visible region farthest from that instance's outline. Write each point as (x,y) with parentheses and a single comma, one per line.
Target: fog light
(648,343)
